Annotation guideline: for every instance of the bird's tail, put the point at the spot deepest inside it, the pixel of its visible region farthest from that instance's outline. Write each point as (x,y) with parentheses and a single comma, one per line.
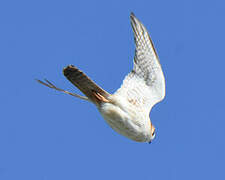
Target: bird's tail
(94,92)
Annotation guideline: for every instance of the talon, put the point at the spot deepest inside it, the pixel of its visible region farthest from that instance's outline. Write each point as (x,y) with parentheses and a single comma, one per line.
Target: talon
(100,97)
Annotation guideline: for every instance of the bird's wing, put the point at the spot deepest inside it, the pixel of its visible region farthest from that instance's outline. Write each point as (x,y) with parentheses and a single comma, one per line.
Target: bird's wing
(93,92)
(144,86)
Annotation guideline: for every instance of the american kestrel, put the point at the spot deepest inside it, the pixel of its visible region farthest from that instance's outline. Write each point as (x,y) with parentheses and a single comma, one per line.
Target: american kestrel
(127,110)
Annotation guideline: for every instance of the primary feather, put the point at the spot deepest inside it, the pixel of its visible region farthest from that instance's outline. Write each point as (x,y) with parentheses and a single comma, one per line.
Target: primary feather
(144,86)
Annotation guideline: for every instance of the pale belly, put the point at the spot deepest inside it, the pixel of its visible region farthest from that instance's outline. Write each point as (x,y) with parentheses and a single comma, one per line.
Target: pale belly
(125,124)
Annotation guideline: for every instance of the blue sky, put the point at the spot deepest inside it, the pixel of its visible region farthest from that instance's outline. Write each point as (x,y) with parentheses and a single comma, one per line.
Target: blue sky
(46,135)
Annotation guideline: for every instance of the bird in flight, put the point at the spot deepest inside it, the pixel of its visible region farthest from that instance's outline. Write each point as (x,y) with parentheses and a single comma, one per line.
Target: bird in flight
(127,110)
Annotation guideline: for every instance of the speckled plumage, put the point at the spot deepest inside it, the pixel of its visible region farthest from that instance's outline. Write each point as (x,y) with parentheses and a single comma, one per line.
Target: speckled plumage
(127,110)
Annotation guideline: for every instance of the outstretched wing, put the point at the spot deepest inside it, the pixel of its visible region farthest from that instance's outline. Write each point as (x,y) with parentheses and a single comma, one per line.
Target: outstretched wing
(144,86)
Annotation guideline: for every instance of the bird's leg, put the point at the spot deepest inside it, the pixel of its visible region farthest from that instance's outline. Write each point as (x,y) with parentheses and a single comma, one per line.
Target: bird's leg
(100,97)
(50,85)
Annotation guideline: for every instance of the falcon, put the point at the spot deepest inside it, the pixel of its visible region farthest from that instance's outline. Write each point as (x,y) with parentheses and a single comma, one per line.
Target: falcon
(127,110)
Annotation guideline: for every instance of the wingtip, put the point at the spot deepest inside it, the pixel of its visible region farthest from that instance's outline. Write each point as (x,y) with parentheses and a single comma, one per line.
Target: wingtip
(132,16)
(133,19)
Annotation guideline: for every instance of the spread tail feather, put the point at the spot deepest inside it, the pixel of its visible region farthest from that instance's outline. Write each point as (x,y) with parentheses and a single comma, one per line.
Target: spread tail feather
(94,92)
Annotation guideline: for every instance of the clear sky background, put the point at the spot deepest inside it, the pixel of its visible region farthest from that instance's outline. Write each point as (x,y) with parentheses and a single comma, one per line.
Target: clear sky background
(46,135)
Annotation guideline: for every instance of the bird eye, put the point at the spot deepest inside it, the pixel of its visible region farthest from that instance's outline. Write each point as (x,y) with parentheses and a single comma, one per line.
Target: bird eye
(153,133)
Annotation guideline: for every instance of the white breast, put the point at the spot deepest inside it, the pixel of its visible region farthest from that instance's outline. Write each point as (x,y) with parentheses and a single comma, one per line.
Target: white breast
(126,122)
